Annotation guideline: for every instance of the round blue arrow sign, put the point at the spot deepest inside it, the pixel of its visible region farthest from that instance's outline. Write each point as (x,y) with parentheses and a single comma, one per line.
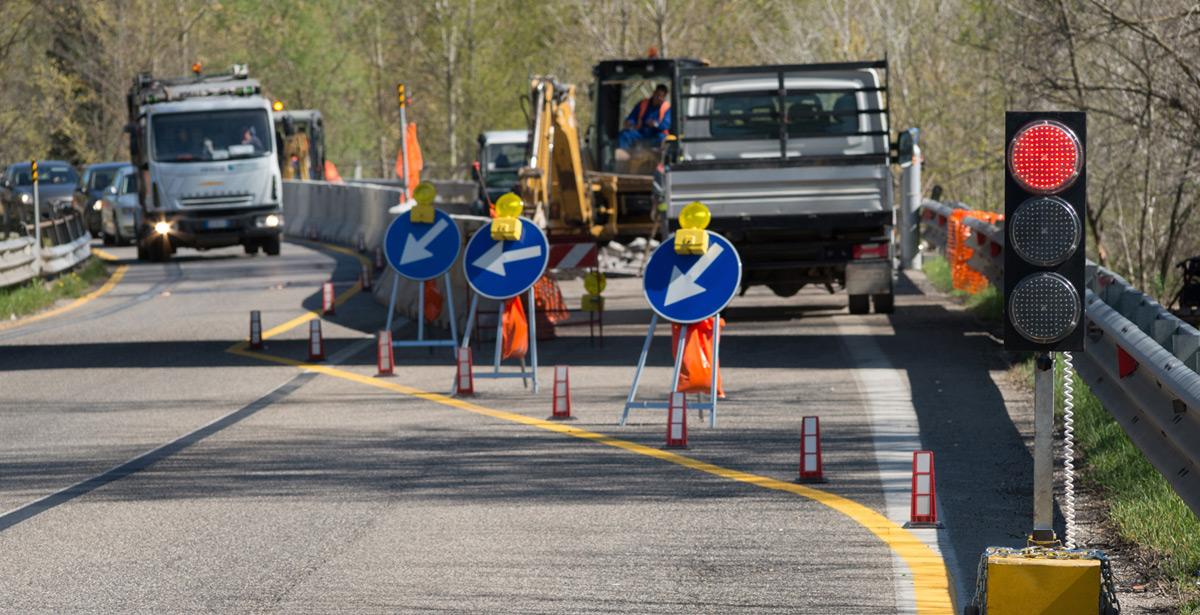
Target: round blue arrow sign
(687,288)
(504,269)
(422,251)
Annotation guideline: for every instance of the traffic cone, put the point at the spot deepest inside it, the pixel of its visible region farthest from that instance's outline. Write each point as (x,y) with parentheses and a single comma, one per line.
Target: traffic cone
(383,353)
(562,393)
(316,345)
(378,259)
(256,341)
(362,244)
(464,379)
(365,278)
(811,470)
(924,492)
(677,421)
(327,301)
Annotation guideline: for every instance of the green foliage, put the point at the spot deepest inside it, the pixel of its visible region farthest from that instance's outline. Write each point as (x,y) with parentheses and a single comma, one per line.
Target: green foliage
(987,304)
(37,295)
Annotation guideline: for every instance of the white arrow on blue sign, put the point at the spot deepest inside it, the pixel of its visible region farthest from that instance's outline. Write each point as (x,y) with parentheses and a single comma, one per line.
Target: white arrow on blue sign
(422,251)
(504,269)
(687,288)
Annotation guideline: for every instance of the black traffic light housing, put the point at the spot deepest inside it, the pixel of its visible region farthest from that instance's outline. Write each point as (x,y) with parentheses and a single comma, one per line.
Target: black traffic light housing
(1045,241)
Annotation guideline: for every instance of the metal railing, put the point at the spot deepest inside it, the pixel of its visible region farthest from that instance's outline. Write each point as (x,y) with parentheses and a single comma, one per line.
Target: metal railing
(1140,361)
(65,244)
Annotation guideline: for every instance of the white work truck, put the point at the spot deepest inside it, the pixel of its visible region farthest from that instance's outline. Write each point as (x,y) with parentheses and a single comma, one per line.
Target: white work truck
(204,147)
(794,161)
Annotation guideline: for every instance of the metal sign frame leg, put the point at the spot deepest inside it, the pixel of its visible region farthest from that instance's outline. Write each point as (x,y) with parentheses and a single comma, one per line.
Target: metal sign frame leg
(420,342)
(631,401)
(525,374)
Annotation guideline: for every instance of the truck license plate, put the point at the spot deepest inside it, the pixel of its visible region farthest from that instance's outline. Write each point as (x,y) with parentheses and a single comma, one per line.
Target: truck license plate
(216,224)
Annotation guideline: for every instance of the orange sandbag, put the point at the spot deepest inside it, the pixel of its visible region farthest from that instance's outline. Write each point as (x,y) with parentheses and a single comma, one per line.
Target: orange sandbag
(695,375)
(516,329)
(433,301)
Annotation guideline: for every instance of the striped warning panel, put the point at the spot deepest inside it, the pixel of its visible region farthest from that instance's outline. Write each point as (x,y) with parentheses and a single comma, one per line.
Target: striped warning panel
(572,256)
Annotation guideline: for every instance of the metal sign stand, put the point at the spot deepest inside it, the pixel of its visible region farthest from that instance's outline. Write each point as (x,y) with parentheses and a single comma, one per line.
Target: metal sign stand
(421,342)
(711,405)
(525,375)
(1043,449)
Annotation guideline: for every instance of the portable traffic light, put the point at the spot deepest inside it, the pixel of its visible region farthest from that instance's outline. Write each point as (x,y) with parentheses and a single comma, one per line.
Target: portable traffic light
(1045,206)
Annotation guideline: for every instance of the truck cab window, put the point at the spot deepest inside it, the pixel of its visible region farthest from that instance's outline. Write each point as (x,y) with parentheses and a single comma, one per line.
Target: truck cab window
(211,135)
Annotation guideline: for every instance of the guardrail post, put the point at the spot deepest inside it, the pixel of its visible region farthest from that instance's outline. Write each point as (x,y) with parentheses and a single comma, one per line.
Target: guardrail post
(910,204)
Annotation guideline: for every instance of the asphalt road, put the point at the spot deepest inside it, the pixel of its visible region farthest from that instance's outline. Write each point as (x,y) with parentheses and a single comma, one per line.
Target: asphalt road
(146,468)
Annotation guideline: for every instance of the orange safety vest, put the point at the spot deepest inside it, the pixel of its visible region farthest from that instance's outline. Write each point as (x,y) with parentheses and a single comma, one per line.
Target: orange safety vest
(662,112)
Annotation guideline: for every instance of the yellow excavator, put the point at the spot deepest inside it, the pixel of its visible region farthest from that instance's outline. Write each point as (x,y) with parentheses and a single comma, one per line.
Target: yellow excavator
(583,188)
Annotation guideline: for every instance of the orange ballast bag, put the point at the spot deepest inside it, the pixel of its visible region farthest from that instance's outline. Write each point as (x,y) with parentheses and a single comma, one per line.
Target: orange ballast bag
(516,329)
(433,301)
(695,375)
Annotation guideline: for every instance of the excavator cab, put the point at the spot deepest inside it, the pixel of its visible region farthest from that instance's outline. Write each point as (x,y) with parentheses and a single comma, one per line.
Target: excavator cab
(626,177)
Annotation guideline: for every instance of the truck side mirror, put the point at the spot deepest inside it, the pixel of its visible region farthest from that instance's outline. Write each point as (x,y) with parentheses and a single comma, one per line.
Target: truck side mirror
(904,145)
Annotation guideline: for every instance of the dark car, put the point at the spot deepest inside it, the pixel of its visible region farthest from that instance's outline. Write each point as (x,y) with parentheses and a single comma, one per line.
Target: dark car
(56,187)
(120,210)
(91,188)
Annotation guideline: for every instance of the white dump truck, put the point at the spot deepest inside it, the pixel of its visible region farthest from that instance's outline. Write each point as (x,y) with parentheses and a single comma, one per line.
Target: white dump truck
(204,147)
(794,161)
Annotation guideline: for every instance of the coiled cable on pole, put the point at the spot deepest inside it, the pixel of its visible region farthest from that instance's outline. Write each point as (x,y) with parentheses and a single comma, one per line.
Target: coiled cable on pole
(1069,448)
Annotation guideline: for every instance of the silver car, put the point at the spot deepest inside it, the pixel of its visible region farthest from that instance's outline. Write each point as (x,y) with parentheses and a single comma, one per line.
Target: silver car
(120,211)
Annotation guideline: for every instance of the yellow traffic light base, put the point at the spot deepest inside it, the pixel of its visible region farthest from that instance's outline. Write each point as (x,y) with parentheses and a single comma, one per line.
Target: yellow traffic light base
(423,212)
(1044,581)
(507,225)
(691,238)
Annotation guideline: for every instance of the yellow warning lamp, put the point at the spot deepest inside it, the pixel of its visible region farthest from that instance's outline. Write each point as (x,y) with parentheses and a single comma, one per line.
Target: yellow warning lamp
(277,106)
(423,212)
(507,225)
(691,238)
(197,67)
(594,282)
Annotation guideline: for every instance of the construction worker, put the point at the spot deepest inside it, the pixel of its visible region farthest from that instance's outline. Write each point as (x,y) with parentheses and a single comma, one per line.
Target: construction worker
(648,123)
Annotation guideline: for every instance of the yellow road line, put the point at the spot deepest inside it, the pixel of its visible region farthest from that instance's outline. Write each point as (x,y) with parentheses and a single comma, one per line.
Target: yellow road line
(931,586)
(111,283)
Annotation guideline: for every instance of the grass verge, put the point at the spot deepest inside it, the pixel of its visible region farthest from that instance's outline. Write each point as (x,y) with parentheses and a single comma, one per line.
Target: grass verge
(37,295)
(987,304)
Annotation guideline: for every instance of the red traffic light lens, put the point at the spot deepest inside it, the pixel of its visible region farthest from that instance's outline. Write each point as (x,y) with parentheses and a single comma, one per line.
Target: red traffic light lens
(1044,157)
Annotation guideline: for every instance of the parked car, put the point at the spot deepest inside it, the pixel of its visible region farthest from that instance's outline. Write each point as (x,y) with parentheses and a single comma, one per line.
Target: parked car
(95,180)
(120,211)
(56,186)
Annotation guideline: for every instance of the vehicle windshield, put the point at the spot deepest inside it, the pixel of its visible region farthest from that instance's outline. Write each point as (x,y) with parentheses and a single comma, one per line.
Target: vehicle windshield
(809,114)
(503,162)
(101,179)
(47,174)
(211,135)
(129,183)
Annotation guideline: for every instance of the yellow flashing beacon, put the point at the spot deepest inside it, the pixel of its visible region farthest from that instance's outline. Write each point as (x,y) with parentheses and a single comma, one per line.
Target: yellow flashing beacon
(422,212)
(507,225)
(691,238)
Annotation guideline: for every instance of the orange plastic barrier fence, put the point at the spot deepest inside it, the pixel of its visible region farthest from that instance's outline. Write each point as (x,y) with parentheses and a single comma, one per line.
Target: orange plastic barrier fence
(548,298)
(959,250)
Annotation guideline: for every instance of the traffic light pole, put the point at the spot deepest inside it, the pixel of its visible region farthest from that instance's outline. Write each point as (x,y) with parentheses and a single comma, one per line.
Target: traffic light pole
(403,140)
(1043,449)
(37,221)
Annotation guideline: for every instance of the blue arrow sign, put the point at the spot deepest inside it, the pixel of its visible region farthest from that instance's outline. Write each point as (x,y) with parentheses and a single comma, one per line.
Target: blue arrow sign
(504,269)
(687,288)
(422,251)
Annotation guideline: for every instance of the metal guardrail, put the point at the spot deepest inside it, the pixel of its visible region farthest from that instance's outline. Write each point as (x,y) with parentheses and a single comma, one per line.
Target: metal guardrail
(1139,360)
(70,245)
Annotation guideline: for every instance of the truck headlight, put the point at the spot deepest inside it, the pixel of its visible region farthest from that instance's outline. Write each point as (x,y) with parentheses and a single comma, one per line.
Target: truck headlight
(268,221)
(162,227)
(26,199)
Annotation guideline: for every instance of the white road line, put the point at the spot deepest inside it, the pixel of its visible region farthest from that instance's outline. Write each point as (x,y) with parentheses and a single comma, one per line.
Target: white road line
(896,433)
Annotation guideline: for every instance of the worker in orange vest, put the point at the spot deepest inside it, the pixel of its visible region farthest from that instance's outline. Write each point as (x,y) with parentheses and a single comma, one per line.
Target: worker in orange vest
(649,122)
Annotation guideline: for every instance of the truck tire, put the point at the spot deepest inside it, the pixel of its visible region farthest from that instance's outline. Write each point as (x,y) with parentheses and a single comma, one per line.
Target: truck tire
(860,304)
(271,246)
(251,248)
(884,304)
(142,253)
(108,239)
